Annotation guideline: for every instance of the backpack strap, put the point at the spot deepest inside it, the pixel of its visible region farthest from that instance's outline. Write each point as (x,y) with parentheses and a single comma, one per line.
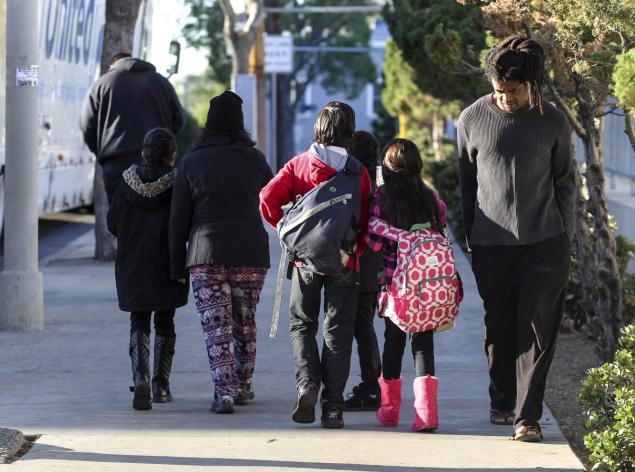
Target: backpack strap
(352,166)
(382,228)
(418,226)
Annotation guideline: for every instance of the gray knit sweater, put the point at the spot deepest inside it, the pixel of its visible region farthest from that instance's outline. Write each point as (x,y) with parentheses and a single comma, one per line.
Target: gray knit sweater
(517,174)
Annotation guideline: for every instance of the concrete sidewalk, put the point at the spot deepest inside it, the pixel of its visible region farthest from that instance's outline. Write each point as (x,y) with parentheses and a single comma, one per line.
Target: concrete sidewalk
(69,384)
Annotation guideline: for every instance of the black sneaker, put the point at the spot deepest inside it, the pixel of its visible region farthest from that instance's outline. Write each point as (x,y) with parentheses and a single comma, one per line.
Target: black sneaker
(361,400)
(332,418)
(304,410)
(223,404)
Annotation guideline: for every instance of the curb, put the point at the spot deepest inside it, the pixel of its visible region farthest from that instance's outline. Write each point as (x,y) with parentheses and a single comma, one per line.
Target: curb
(11,442)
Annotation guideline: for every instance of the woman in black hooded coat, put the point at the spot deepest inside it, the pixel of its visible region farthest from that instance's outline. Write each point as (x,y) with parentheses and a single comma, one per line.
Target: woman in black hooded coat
(217,235)
(139,217)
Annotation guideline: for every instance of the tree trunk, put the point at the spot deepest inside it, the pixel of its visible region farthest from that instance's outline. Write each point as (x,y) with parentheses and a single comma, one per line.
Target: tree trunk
(605,284)
(240,47)
(582,256)
(121,17)
(241,38)
(437,135)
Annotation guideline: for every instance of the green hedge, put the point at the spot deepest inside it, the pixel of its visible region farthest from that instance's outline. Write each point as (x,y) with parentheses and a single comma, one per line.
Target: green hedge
(608,394)
(445,177)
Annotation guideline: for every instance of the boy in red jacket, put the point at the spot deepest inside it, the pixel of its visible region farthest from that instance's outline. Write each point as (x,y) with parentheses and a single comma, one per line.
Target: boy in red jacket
(327,155)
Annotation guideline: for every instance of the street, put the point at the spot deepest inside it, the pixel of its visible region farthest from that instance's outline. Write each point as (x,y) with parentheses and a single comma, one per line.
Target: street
(57,230)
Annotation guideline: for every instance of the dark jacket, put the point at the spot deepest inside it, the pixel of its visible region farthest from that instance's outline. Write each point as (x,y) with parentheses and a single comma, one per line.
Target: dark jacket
(139,216)
(215,207)
(123,105)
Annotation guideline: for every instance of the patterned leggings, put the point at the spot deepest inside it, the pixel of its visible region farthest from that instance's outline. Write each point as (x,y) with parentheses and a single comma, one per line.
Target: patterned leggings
(226,299)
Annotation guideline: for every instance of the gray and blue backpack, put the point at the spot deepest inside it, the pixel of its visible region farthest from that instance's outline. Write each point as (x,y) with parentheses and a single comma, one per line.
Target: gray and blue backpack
(323,224)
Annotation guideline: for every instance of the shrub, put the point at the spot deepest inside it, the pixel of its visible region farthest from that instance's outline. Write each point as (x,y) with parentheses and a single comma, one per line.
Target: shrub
(574,315)
(445,177)
(608,395)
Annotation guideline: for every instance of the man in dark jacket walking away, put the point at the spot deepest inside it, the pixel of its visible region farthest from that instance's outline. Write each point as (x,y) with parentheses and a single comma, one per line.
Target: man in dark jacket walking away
(121,107)
(518,189)
(334,128)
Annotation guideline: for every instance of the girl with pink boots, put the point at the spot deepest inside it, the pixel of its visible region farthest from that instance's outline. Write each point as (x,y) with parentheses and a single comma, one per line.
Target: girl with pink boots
(404,201)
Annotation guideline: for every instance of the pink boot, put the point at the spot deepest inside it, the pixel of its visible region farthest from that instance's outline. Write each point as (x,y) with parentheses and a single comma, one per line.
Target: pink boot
(388,413)
(426,411)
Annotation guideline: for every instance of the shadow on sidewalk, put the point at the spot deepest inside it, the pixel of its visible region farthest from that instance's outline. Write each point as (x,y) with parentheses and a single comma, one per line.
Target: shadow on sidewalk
(47,452)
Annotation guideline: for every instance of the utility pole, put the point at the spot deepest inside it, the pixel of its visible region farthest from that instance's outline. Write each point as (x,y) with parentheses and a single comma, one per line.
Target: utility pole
(257,68)
(21,292)
(273,26)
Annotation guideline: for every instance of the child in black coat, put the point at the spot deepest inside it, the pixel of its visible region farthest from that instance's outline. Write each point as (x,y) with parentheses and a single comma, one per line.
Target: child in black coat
(365,397)
(139,216)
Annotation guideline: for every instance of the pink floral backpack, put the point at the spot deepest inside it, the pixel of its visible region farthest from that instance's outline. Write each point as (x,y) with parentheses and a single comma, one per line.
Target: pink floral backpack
(426,290)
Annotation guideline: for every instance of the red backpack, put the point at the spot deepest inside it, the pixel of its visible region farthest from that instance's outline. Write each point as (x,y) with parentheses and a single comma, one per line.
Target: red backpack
(426,290)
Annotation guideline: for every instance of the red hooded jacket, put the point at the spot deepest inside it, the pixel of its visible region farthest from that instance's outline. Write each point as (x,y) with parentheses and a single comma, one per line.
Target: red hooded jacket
(301,174)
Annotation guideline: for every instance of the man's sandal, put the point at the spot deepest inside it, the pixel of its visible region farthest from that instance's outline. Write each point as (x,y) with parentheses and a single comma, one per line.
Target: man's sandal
(501,417)
(528,434)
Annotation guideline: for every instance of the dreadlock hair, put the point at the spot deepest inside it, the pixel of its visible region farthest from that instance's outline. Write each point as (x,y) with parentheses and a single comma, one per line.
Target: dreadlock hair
(518,59)
(406,200)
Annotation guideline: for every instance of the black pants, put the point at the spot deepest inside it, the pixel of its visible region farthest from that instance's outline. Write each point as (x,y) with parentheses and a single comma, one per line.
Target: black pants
(523,290)
(113,170)
(367,346)
(163,322)
(422,345)
(340,300)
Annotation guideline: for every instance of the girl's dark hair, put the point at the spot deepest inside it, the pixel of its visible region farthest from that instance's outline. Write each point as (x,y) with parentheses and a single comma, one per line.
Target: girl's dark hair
(519,59)
(364,147)
(158,144)
(406,199)
(335,125)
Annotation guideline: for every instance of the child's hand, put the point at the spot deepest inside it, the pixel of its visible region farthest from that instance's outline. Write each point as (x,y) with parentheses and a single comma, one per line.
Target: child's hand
(344,257)
(183,281)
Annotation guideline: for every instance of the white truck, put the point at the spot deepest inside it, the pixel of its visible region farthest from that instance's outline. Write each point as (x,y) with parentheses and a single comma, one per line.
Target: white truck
(70,40)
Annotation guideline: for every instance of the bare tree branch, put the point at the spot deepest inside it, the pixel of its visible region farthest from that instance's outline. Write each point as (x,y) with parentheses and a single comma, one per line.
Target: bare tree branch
(256,14)
(230,17)
(610,111)
(469,69)
(562,105)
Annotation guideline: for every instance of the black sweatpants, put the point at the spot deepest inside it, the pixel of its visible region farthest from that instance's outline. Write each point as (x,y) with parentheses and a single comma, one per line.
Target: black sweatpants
(523,290)
(422,345)
(367,345)
(340,299)
(163,322)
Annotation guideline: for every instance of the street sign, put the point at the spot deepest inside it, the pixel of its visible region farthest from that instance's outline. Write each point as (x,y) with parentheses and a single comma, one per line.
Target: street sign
(278,54)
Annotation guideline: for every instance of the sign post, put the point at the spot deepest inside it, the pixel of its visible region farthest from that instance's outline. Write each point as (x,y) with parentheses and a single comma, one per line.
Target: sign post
(278,60)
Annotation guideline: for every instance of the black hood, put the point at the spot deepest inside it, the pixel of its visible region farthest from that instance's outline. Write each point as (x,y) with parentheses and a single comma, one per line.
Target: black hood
(131,64)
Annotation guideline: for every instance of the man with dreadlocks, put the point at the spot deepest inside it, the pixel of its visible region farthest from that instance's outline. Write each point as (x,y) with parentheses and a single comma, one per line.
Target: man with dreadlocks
(518,188)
